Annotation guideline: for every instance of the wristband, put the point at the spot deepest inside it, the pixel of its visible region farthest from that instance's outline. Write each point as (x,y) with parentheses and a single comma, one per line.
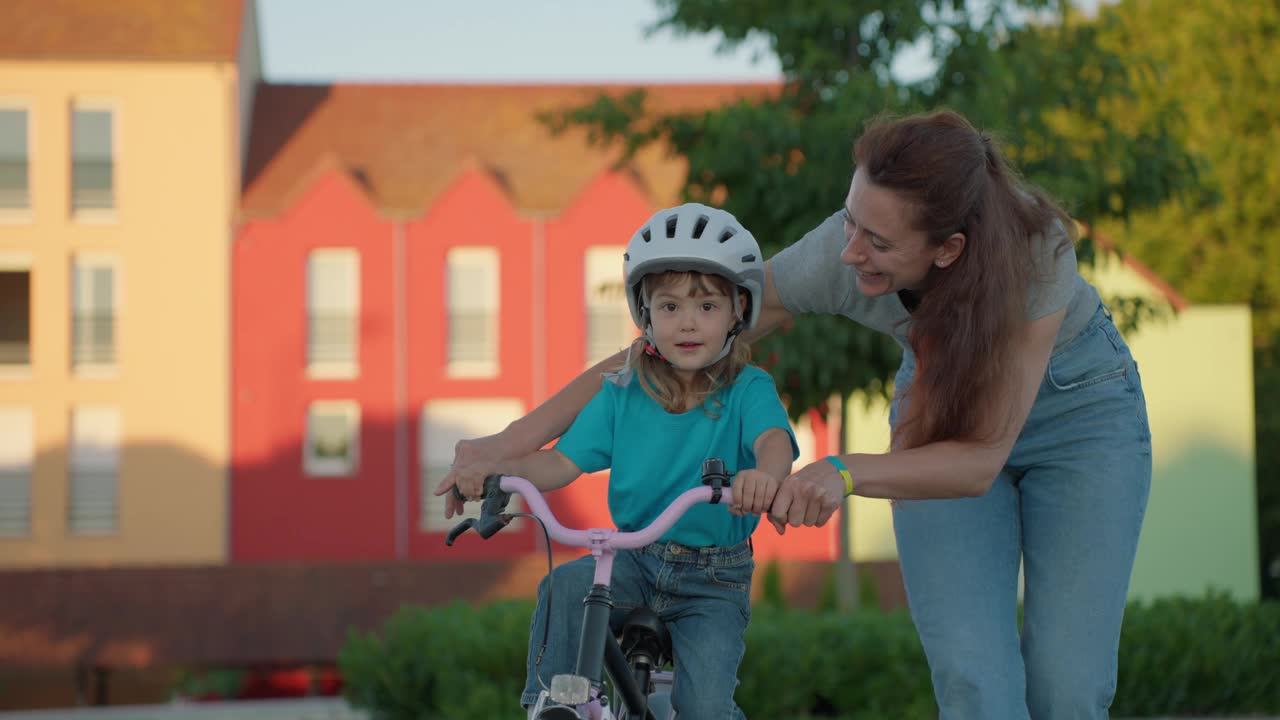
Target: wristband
(844,473)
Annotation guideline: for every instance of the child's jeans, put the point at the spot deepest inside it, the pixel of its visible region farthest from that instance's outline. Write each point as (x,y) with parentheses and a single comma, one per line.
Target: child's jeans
(703,594)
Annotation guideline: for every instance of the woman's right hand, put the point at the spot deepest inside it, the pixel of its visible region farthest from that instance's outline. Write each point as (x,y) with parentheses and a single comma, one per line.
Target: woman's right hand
(473,460)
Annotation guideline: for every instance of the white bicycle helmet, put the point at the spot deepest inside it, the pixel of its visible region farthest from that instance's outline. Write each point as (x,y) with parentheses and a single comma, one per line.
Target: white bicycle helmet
(698,238)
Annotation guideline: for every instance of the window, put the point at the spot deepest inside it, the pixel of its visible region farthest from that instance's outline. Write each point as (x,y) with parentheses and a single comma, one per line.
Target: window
(15,181)
(95,471)
(444,423)
(15,313)
(473,312)
(92,159)
(609,324)
(332,448)
(333,313)
(17,454)
(93,307)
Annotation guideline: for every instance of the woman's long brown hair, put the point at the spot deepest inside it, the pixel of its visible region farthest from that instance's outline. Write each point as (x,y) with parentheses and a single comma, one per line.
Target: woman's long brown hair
(972,313)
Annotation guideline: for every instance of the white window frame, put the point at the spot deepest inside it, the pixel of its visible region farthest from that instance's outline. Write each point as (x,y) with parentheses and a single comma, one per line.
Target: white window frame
(87,261)
(17,462)
(94,216)
(441,425)
(21,262)
(24,215)
(313,465)
(487,261)
(603,291)
(93,480)
(327,369)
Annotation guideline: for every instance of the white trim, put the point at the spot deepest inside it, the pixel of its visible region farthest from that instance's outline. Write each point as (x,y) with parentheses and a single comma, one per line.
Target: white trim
(93,259)
(20,262)
(95,216)
(441,424)
(314,466)
(17,464)
(95,449)
(602,265)
(488,261)
(23,216)
(350,261)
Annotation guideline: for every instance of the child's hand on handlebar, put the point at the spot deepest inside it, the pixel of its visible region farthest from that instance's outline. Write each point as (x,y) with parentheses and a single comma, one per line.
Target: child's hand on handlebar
(753,492)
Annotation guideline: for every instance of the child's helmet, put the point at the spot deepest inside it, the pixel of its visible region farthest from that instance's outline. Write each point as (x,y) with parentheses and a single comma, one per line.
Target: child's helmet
(699,238)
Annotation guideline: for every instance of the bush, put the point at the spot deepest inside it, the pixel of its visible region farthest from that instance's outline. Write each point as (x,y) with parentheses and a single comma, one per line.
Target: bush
(1181,656)
(1177,657)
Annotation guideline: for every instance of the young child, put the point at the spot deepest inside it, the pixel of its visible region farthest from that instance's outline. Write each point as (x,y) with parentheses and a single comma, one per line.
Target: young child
(695,281)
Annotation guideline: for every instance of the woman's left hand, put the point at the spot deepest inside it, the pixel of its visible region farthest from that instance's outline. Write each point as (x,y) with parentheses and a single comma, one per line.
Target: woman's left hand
(809,497)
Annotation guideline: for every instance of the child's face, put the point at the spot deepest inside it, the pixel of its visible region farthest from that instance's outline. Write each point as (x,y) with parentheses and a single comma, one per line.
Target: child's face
(691,319)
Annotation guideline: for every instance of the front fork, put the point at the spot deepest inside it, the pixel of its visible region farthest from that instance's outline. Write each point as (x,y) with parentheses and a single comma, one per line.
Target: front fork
(582,690)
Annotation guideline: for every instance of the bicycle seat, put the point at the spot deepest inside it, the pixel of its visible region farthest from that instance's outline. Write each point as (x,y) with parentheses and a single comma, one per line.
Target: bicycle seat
(641,630)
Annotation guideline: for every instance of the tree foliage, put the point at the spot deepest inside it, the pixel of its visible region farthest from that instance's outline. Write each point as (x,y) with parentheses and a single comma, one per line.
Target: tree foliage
(1026,69)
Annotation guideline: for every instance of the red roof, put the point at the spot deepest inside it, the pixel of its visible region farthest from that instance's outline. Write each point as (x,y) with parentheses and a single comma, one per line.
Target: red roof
(121,29)
(406,143)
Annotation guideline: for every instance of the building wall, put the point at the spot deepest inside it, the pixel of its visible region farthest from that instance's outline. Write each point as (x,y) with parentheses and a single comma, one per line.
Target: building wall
(1200,529)
(278,512)
(169,235)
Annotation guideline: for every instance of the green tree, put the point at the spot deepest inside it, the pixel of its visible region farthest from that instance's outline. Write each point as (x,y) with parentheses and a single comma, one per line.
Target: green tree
(783,163)
(1215,62)
(1029,70)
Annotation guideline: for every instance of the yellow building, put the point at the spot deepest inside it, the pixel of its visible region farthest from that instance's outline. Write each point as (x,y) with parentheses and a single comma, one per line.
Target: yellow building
(122,133)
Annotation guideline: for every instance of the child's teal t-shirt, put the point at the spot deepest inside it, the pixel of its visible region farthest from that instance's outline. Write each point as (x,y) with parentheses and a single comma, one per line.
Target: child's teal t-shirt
(654,455)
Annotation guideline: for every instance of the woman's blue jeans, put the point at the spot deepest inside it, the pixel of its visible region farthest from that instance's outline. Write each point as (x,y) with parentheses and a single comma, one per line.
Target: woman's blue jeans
(1067,507)
(702,594)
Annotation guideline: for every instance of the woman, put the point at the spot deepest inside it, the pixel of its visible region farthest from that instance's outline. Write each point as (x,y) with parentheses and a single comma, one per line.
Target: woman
(1020,435)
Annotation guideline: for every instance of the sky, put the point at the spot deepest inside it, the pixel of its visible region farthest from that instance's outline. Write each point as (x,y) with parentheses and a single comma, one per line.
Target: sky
(487,41)
(501,41)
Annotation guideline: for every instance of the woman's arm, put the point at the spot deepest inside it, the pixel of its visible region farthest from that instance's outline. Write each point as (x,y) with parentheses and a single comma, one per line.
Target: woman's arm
(547,470)
(937,470)
(772,313)
(549,420)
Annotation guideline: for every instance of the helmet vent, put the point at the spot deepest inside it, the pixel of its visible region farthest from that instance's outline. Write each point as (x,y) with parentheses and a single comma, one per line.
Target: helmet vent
(645,235)
(749,258)
(702,225)
(728,233)
(671,227)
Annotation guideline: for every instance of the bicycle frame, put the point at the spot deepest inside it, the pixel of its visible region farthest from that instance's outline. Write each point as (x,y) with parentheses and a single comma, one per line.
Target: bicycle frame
(598,649)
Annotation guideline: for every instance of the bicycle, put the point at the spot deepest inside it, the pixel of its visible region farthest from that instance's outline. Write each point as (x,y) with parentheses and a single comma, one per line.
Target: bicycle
(633,650)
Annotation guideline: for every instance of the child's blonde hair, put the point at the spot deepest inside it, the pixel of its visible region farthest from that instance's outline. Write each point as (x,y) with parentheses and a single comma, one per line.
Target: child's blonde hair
(658,378)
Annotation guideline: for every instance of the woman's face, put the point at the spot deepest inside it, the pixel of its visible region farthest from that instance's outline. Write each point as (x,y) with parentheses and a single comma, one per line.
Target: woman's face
(882,247)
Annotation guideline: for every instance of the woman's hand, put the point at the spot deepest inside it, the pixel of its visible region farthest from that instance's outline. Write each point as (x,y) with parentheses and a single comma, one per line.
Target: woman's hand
(473,461)
(808,497)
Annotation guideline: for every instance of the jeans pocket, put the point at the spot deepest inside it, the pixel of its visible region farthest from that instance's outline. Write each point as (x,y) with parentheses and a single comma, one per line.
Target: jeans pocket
(1087,362)
(731,577)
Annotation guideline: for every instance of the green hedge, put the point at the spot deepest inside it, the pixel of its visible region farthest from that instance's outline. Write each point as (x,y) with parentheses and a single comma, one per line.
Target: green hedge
(1181,656)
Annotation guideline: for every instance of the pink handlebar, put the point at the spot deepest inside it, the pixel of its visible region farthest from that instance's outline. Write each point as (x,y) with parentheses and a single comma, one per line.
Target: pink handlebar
(614,538)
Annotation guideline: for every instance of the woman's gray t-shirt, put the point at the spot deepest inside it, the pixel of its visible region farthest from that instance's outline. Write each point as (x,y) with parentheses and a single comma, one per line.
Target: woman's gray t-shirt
(810,278)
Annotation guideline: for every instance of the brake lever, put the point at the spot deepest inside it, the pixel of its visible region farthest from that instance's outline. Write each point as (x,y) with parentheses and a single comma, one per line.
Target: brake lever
(492,518)
(458,529)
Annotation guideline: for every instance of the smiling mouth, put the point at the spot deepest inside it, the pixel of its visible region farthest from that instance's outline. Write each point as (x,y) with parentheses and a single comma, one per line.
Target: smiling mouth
(688,345)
